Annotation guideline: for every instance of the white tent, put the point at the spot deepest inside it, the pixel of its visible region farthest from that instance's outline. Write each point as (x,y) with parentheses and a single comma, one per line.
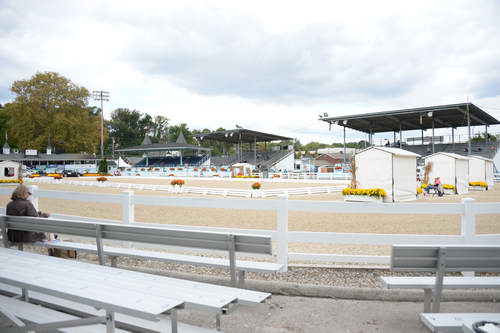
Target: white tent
(481,170)
(391,169)
(453,169)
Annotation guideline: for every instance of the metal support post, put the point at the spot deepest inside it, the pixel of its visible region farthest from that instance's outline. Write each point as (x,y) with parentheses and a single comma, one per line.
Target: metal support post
(345,150)
(110,322)
(438,290)
(25,295)
(232,259)
(5,238)
(98,241)
(432,139)
(173,320)
(468,129)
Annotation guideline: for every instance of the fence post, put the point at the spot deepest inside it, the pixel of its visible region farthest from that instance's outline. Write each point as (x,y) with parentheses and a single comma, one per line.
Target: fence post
(282,230)
(468,221)
(34,196)
(128,211)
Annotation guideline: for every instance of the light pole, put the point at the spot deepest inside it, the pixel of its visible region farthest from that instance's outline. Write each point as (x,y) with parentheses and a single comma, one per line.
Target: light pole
(102,96)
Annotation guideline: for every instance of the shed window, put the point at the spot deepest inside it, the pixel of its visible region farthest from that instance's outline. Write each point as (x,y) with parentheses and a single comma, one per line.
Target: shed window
(9,172)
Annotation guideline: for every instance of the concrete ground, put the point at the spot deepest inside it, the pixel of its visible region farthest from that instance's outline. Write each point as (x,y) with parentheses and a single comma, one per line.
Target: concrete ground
(321,315)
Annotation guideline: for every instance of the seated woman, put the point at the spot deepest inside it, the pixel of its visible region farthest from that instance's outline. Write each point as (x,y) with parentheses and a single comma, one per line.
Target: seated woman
(437,186)
(21,206)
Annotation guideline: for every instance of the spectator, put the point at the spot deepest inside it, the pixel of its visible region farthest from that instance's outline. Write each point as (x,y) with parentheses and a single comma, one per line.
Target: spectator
(21,206)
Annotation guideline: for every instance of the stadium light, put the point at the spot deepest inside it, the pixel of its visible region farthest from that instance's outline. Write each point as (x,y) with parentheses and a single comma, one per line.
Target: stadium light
(429,114)
(102,96)
(345,122)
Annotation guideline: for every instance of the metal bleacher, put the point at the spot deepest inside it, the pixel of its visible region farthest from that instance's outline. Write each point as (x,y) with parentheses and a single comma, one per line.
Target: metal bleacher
(264,159)
(487,150)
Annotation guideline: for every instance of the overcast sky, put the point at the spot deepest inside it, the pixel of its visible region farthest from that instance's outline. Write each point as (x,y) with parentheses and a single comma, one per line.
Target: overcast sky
(270,66)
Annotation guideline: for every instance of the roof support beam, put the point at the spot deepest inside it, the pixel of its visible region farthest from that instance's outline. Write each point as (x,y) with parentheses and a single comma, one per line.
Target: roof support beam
(465,112)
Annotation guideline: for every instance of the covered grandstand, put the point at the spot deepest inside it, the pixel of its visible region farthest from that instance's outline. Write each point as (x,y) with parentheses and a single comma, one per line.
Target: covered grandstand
(450,116)
(172,154)
(241,138)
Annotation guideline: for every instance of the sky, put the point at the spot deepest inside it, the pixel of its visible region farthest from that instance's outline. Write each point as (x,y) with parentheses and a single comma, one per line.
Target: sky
(270,66)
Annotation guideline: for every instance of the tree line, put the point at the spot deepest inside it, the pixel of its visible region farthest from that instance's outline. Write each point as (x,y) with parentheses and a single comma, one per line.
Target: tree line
(50,110)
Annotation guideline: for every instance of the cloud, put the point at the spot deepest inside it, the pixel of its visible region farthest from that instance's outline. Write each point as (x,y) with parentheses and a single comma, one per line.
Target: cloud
(270,65)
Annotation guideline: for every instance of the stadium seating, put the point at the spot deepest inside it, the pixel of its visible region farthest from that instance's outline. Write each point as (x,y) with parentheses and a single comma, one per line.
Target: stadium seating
(264,159)
(169,161)
(484,149)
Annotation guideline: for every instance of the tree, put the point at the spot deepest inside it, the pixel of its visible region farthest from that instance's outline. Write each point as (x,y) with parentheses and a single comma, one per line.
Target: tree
(129,127)
(174,131)
(160,128)
(103,166)
(49,109)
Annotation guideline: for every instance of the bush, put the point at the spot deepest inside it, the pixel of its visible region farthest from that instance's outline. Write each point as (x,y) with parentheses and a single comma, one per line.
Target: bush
(256,186)
(103,166)
(179,182)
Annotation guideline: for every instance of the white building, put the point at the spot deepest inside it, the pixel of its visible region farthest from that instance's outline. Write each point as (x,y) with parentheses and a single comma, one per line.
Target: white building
(481,170)
(453,169)
(391,169)
(10,170)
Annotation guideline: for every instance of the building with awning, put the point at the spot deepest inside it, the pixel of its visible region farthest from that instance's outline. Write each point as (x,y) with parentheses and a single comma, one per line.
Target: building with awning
(158,151)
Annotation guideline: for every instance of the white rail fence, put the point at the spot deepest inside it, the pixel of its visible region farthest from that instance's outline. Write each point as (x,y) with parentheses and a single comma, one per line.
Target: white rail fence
(468,210)
(198,190)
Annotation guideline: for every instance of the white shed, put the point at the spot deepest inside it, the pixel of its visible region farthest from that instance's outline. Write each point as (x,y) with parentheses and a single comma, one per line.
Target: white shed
(481,170)
(241,169)
(10,170)
(453,169)
(391,169)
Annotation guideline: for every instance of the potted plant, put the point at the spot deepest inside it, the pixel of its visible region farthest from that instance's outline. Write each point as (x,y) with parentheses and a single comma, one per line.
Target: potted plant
(57,177)
(101,179)
(478,186)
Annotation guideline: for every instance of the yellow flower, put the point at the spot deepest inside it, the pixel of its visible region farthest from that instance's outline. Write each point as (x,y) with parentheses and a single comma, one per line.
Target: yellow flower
(481,184)
(372,192)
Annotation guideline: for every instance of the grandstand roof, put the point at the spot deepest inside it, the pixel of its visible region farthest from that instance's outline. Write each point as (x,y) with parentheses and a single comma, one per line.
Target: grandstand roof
(241,135)
(445,116)
(164,147)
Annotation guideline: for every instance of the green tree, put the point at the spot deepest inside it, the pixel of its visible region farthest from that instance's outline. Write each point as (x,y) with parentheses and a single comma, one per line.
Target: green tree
(160,128)
(129,127)
(51,109)
(174,131)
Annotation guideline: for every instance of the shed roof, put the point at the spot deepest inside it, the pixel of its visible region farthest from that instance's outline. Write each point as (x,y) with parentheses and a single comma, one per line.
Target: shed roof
(452,155)
(480,158)
(394,151)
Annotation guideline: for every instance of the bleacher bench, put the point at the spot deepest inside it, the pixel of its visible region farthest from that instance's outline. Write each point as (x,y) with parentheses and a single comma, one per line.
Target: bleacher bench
(27,317)
(42,310)
(113,253)
(249,244)
(440,260)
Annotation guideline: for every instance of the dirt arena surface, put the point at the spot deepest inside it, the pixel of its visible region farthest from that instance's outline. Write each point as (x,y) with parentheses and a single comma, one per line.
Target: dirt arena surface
(298,221)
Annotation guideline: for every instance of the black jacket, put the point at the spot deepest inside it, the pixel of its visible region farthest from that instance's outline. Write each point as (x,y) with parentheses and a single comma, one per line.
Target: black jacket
(22,207)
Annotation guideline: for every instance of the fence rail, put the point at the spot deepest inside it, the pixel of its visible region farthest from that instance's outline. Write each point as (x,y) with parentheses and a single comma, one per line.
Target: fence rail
(467,209)
(198,190)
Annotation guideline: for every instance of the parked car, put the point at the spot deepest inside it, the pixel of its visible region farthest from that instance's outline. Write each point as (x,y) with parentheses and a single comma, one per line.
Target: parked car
(71,173)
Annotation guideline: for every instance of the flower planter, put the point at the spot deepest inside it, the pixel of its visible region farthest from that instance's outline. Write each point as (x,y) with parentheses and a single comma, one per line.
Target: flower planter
(256,194)
(477,188)
(449,191)
(363,198)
